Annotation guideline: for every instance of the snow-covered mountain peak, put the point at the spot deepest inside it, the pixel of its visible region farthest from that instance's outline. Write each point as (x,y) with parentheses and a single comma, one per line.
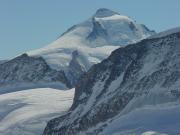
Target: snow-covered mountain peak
(96,37)
(104,12)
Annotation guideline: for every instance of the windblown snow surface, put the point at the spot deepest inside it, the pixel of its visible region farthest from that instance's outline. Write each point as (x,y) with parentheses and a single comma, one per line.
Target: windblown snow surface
(27,112)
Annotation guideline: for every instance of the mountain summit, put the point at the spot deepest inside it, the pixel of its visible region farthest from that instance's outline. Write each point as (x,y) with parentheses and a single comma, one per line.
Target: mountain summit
(94,39)
(104,12)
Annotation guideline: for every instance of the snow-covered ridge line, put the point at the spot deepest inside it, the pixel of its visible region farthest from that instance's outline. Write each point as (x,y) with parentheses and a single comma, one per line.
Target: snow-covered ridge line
(26,86)
(166,33)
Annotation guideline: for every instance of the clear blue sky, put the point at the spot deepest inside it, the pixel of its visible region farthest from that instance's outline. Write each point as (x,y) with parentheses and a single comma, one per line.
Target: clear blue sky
(31,24)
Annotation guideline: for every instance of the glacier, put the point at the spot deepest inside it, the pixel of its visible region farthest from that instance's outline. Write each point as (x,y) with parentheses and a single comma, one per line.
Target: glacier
(26,112)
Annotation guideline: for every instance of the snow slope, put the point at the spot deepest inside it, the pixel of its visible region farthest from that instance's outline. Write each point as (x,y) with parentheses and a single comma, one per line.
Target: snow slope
(149,120)
(26,112)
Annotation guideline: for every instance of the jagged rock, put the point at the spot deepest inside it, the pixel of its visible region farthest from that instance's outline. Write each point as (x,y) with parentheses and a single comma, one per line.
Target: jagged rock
(29,70)
(77,67)
(144,73)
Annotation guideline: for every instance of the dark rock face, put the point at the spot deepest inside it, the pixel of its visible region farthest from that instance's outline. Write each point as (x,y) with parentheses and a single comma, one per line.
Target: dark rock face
(97,32)
(25,69)
(75,69)
(150,68)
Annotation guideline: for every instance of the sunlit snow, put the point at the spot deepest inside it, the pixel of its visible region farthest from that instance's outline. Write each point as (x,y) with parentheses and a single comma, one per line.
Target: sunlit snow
(27,112)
